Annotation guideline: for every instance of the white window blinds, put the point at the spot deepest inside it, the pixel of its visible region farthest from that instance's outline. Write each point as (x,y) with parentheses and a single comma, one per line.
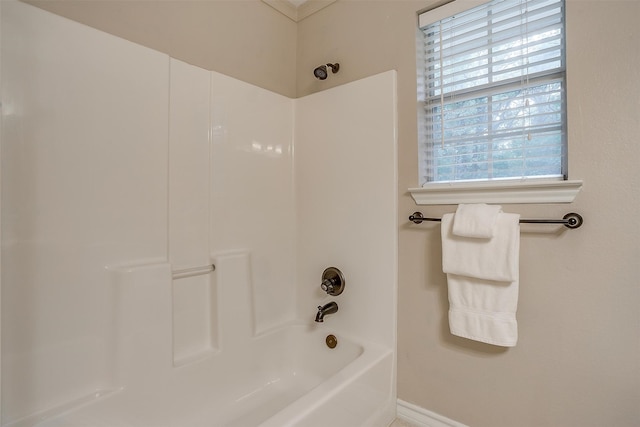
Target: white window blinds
(491,88)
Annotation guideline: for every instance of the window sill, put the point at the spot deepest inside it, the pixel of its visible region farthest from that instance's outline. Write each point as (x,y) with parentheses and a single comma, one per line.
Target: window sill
(526,191)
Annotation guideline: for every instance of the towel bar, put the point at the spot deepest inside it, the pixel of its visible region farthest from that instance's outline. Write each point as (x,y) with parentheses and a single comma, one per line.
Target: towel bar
(570,220)
(194,271)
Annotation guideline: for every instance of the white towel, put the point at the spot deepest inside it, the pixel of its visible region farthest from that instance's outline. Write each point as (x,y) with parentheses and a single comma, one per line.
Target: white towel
(482,277)
(490,259)
(476,220)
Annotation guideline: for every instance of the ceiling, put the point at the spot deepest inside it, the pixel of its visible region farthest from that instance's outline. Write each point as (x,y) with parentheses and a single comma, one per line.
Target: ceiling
(297,10)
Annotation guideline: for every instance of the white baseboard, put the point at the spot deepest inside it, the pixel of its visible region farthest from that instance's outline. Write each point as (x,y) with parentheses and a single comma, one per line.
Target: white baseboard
(421,417)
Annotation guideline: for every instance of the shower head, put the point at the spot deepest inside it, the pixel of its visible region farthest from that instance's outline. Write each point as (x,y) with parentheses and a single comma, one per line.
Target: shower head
(321,72)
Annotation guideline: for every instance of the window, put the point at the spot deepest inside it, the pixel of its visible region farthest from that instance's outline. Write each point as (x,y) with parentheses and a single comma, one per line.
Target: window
(491,89)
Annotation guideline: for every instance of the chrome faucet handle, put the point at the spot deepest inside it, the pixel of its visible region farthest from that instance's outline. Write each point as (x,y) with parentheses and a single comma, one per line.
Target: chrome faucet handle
(332,281)
(328,286)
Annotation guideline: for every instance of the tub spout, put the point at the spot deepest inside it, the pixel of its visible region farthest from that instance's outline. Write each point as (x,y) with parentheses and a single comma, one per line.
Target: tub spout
(329,308)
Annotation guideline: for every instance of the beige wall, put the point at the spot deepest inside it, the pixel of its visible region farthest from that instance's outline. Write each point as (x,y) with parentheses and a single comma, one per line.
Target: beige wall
(245,39)
(578,359)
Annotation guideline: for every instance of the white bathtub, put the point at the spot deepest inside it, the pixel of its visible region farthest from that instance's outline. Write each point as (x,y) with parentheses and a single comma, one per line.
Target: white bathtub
(287,377)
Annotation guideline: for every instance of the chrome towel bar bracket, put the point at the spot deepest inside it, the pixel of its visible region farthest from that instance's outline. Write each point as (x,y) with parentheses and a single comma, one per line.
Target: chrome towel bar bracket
(570,220)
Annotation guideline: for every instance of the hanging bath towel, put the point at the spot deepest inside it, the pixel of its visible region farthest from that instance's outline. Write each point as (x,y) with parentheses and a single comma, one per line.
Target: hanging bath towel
(482,279)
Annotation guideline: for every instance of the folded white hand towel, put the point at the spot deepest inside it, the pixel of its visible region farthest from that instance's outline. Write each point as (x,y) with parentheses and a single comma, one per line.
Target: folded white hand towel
(490,259)
(476,220)
(482,277)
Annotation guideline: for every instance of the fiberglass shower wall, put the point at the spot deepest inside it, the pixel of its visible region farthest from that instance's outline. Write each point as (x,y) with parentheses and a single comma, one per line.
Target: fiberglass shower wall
(230,171)
(84,186)
(346,203)
(120,165)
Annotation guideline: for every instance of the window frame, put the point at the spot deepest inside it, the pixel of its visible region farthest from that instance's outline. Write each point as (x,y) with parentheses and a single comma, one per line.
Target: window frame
(504,190)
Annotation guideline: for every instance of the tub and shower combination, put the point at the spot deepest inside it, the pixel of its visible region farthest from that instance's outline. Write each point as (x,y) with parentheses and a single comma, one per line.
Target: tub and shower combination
(163,248)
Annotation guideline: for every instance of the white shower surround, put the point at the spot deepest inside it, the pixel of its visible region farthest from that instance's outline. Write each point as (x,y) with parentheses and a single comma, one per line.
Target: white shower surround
(120,164)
